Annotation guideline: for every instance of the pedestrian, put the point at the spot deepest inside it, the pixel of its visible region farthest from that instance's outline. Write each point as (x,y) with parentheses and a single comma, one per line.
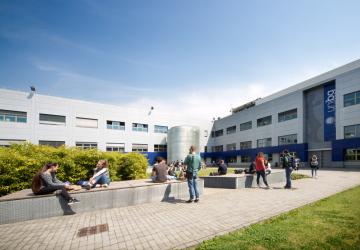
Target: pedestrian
(287,164)
(267,167)
(222,169)
(193,165)
(314,164)
(260,169)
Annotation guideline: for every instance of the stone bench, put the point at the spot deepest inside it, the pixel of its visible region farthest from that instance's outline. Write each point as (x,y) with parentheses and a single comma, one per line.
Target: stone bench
(24,205)
(235,181)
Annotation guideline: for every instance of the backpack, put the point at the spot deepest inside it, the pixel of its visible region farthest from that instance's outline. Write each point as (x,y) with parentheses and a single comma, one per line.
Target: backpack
(36,183)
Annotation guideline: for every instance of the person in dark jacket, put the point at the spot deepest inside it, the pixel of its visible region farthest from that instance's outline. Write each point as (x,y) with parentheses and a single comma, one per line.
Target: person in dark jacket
(287,164)
(222,170)
(45,182)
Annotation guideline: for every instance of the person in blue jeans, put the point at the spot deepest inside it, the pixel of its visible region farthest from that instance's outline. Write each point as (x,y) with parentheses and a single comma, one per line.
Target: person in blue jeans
(101,175)
(193,165)
(287,164)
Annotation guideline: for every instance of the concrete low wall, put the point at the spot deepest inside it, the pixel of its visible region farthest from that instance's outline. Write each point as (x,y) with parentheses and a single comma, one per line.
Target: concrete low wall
(234,181)
(30,207)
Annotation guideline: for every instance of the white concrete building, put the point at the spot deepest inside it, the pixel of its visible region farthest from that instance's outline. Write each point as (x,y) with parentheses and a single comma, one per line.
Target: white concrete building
(319,116)
(42,119)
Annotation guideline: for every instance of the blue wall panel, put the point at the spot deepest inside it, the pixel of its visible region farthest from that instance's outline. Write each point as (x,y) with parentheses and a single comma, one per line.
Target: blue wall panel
(338,147)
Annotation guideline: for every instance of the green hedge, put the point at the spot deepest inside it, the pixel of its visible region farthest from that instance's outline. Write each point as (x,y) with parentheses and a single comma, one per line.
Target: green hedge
(19,163)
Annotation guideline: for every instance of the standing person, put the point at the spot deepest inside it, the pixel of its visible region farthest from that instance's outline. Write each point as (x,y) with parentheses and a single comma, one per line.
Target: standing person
(45,182)
(193,165)
(101,175)
(222,169)
(260,169)
(314,164)
(287,164)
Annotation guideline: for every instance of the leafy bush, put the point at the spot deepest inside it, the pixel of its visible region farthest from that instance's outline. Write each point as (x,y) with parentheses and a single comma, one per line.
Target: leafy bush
(20,162)
(132,166)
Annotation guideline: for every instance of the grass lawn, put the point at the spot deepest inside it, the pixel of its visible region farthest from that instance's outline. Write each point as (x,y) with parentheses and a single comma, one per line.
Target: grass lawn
(331,223)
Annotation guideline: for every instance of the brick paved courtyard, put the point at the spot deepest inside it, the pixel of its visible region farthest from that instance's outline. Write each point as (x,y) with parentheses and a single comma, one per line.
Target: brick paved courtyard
(170,225)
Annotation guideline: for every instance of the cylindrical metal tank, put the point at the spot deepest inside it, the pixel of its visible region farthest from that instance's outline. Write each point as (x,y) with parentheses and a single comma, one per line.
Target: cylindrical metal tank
(179,140)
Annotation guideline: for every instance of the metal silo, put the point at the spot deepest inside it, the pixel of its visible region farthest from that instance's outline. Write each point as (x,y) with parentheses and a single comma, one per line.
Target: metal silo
(179,140)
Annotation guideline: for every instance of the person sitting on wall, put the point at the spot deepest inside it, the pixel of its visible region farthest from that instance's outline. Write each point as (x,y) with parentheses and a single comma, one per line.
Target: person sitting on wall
(45,182)
(251,169)
(101,175)
(159,171)
(222,170)
(267,167)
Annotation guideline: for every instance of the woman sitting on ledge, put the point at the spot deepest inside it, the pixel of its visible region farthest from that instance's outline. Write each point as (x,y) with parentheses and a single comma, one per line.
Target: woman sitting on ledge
(45,182)
(101,175)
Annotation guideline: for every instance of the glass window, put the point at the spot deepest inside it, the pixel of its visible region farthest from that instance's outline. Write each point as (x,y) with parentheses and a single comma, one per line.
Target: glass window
(352,99)
(115,147)
(287,115)
(160,129)
(8,142)
(139,147)
(160,148)
(55,144)
(219,132)
(352,131)
(230,147)
(266,142)
(246,126)
(219,148)
(13,116)
(86,122)
(245,158)
(231,130)
(352,154)
(288,139)
(245,145)
(139,127)
(52,119)
(264,121)
(86,145)
(117,125)
(231,159)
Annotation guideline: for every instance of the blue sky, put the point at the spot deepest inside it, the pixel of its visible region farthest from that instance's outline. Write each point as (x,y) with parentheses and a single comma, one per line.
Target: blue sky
(184,56)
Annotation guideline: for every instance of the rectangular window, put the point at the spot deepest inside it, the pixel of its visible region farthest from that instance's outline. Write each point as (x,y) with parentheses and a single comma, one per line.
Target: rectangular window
(231,159)
(212,134)
(8,142)
(352,99)
(115,147)
(264,121)
(266,142)
(160,129)
(139,147)
(160,148)
(139,127)
(219,132)
(205,149)
(287,139)
(86,145)
(246,126)
(217,148)
(13,116)
(54,144)
(287,115)
(230,147)
(52,119)
(352,131)
(86,122)
(231,130)
(245,158)
(352,154)
(245,144)
(117,125)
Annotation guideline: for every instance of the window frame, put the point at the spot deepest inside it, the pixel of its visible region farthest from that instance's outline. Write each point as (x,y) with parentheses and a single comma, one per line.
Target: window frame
(245,124)
(260,121)
(287,115)
(286,143)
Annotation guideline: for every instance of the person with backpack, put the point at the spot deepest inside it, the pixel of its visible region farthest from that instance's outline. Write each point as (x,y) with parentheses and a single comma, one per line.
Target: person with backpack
(45,182)
(193,165)
(314,164)
(287,164)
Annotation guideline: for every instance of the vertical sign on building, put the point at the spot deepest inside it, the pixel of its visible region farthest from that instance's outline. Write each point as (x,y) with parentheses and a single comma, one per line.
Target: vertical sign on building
(329,111)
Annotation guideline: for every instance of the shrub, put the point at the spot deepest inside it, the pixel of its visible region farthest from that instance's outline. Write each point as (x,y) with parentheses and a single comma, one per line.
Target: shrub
(132,166)
(20,162)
